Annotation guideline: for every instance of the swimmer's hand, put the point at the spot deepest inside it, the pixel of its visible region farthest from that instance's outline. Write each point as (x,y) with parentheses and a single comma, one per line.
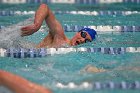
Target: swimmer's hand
(29,30)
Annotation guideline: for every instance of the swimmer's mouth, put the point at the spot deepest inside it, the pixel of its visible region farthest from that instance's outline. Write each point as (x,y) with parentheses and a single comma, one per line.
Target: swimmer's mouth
(77,42)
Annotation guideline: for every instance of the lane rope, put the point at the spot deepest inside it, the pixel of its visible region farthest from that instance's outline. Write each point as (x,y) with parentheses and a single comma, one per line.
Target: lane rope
(42,52)
(76,28)
(101,85)
(73,28)
(92,13)
(87,1)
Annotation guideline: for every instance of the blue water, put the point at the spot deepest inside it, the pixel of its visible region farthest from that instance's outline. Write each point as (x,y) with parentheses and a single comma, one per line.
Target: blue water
(65,68)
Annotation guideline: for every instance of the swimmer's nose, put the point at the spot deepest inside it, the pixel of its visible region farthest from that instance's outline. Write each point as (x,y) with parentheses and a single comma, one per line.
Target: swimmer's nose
(82,40)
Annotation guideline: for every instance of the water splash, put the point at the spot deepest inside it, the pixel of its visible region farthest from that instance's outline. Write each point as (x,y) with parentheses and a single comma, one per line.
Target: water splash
(11,36)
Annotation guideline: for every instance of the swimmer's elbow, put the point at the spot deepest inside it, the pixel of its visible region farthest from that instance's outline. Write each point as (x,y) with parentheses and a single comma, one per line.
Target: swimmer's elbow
(45,8)
(43,5)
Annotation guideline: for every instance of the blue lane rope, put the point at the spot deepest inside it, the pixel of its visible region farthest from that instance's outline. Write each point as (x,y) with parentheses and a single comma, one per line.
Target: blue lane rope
(73,28)
(98,13)
(33,53)
(94,13)
(82,1)
(76,28)
(7,13)
(85,1)
(89,1)
(105,1)
(102,85)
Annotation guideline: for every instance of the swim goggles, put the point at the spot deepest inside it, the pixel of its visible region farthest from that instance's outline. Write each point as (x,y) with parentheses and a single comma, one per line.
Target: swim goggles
(83,35)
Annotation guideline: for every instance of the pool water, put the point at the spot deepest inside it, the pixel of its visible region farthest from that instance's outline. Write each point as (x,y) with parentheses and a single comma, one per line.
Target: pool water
(66,68)
(105,39)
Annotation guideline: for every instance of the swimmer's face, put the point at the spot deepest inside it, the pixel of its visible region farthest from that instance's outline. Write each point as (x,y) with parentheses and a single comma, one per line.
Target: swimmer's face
(80,38)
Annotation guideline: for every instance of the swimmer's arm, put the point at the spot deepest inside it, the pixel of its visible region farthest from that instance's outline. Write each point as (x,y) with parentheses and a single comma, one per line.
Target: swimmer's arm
(20,85)
(54,25)
(44,13)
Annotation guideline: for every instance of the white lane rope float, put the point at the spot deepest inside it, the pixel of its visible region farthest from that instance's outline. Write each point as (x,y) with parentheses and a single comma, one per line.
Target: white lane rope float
(123,85)
(106,1)
(91,13)
(99,28)
(87,1)
(42,52)
(84,1)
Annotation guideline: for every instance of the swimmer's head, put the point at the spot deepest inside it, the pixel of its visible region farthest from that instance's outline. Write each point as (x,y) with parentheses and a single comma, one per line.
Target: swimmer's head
(83,36)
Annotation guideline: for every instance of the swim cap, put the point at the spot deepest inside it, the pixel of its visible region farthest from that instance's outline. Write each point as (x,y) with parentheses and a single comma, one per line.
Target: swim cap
(91,32)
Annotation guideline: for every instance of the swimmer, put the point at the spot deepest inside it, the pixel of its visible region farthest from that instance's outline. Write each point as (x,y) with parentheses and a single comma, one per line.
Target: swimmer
(56,37)
(92,69)
(17,84)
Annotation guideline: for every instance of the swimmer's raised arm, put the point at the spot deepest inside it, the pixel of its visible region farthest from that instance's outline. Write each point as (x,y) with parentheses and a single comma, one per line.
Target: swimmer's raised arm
(56,37)
(44,13)
(18,84)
